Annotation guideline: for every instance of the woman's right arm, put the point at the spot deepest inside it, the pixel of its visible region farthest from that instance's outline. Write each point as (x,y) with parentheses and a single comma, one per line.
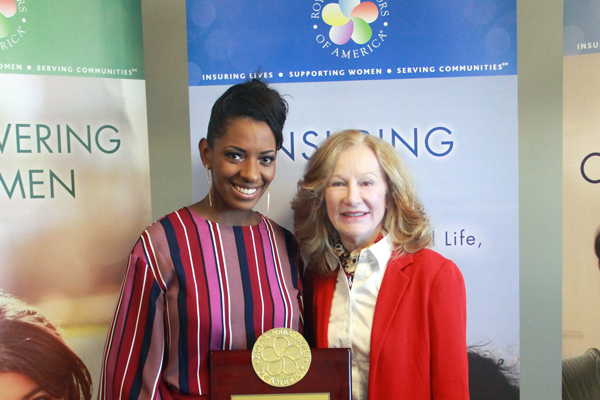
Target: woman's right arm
(134,351)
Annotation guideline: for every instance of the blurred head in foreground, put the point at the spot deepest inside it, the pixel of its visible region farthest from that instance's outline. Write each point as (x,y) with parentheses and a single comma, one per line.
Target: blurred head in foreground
(35,362)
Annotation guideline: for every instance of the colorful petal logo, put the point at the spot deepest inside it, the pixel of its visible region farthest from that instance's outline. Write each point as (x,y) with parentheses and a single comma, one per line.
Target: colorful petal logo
(8,8)
(350,19)
(281,357)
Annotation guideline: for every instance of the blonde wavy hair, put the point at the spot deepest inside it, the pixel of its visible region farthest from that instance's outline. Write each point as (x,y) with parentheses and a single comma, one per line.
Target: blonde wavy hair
(405,219)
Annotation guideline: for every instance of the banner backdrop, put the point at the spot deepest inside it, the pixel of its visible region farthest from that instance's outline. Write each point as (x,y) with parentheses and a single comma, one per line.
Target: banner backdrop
(581,175)
(74,180)
(436,80)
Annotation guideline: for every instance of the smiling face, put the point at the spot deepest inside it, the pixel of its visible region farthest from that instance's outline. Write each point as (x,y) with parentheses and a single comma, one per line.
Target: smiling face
(356,197)
(242,162)
(14,386)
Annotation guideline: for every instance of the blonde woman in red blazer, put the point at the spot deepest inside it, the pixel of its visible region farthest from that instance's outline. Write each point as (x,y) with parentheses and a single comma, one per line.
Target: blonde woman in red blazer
(371,284)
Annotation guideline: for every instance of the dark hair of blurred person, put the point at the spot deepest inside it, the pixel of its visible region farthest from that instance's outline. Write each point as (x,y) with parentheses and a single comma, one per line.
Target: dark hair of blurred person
(491,379)
(34,355)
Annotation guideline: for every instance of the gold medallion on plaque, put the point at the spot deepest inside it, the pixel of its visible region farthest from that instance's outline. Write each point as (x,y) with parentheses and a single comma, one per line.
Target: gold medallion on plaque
(281,357)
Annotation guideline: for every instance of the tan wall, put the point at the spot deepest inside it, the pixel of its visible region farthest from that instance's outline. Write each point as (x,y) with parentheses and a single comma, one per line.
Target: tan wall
(581,204)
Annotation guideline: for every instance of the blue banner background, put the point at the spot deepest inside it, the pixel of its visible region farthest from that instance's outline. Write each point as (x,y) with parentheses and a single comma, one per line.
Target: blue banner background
(581,27)
(229,40)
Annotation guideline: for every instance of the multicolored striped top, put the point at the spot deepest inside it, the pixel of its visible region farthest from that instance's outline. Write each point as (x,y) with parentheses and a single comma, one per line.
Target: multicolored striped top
(193,286)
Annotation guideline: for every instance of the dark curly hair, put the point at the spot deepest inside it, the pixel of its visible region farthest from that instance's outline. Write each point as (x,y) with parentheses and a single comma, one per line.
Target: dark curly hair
(490,378)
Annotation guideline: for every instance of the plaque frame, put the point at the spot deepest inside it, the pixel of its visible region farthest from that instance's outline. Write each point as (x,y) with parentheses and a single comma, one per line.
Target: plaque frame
(231,373)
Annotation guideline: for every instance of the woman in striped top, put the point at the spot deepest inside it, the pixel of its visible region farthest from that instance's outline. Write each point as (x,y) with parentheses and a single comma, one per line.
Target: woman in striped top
(211,276)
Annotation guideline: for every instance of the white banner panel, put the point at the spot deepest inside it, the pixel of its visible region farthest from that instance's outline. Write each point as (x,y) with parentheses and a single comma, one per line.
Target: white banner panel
(459,136)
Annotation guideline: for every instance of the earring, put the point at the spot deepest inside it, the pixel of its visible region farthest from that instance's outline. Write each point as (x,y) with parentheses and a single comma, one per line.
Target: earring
(208,180)
(268,197)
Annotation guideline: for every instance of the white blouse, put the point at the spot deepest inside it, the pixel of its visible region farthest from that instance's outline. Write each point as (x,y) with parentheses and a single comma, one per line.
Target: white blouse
(352,311)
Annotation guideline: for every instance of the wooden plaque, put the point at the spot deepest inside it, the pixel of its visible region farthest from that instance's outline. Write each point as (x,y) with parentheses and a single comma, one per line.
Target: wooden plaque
(232,377)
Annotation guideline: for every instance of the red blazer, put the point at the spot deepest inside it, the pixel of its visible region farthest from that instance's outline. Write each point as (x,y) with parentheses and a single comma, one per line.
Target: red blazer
(418,339)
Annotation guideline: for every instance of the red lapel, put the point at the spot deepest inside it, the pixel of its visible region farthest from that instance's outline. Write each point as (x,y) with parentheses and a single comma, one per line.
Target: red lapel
(324,288)
(392,289)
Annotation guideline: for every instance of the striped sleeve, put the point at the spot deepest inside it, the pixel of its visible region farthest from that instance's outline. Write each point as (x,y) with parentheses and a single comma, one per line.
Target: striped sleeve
(135,345)
(193,286)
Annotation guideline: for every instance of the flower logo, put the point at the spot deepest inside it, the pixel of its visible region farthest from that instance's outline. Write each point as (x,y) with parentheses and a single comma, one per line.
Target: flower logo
(281,357)
(8,8)
(350,19)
